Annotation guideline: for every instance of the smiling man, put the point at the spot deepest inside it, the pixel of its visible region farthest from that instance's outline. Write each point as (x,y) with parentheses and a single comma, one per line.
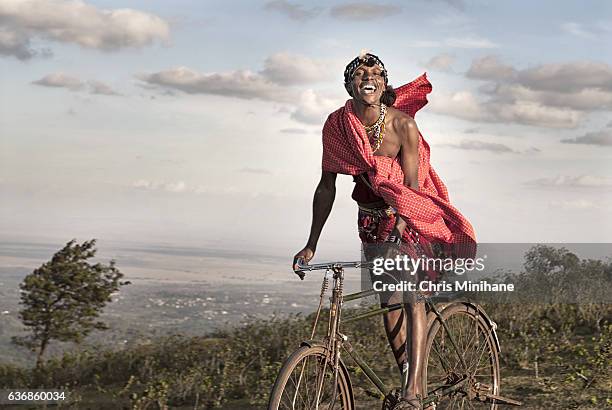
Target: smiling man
(400,197)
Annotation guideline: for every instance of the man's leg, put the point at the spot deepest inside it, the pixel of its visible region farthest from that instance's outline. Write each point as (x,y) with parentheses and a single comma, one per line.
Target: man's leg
(417,322)
(395,327)
(410,321)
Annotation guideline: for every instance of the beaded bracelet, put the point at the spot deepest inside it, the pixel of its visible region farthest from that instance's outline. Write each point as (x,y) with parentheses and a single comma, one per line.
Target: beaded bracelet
(395,239)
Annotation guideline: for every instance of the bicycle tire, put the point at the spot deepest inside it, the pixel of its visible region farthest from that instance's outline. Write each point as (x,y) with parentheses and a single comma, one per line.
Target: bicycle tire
(481,354)
(285,396)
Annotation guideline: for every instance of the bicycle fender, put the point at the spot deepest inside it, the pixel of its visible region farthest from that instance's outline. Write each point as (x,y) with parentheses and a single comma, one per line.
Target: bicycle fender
(311,343)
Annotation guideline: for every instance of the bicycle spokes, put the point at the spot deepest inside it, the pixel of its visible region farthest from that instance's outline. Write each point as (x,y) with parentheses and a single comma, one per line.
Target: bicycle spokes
(470,363)
(310,386)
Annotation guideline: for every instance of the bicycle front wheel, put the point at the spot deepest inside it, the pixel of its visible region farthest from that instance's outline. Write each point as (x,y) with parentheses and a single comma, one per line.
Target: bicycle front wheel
(479,377)
(306,381)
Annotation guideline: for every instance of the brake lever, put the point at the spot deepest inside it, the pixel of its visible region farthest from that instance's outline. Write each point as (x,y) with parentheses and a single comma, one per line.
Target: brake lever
(299,263)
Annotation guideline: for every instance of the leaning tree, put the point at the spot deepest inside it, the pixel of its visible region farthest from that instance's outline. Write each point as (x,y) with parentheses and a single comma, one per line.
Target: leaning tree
(62,299)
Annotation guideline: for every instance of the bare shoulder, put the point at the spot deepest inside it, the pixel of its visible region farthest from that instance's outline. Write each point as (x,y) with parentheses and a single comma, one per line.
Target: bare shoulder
(403,123)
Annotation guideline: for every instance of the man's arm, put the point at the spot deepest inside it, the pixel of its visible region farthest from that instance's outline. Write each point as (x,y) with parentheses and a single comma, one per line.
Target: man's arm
(410,163)
(410,154)
(321,207)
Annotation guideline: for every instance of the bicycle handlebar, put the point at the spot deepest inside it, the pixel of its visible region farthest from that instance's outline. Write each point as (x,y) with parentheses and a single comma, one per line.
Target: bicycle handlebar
(300,268)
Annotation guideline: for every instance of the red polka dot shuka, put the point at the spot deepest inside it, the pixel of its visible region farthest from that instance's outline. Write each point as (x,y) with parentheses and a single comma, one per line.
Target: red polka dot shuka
(428,211)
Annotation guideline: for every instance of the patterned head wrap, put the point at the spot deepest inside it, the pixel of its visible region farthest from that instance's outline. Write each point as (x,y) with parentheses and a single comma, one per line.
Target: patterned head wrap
(363,59)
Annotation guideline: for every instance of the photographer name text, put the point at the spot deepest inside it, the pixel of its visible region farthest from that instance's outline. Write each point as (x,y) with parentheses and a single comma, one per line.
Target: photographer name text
(431,286)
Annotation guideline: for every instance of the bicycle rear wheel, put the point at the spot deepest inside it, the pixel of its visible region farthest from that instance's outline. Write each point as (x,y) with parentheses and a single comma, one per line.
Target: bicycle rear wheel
(305,376)
(475,342)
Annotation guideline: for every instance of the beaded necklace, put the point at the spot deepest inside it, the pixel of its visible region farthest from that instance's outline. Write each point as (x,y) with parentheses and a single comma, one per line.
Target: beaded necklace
(377,130)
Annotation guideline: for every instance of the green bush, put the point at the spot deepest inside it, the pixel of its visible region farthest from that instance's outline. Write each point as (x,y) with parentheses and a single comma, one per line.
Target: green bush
(568,344)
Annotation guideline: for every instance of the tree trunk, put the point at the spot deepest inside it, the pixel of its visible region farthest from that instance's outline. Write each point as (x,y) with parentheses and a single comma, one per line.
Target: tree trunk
(41,352)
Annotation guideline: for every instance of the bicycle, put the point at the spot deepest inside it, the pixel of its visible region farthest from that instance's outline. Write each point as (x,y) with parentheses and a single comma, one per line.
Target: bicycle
(462,356)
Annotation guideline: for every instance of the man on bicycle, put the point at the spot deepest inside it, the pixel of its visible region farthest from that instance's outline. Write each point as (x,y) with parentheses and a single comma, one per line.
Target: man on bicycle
(400,197)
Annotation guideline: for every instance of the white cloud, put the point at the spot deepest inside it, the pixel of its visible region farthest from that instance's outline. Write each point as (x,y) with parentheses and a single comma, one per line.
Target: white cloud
(490,68)
(292,10)
(604,25)
(548,95)
(60,80)
(458,4)
(467,106)
(602,138)
(75,22)
(475,145)
(568,77)
(462,104)
(582,181)
(574,204)
(270,84)
(98,87)
(362,11)
(587,99)
(470,42)
(571,77)
(241,84)
(288,69)
(441,62)
(453,42)
(174,187)
(143,183)
(298,131)
(18,45)
(423,43)
(534,113)
(274,83)
(577,30)
(313,108)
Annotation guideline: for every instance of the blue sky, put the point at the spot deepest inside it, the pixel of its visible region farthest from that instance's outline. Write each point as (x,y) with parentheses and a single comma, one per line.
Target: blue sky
(187,122)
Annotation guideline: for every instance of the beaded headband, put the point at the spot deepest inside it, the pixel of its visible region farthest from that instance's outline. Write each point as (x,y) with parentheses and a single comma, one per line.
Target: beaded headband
(367,59)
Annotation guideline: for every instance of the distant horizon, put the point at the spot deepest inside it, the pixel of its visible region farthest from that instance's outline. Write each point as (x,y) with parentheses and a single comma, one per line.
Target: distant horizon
(166,261)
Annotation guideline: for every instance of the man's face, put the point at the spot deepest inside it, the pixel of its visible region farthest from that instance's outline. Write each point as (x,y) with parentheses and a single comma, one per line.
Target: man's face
(368,84)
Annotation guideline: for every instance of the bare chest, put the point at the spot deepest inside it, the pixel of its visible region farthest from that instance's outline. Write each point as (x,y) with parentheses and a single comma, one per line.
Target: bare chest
(390,141)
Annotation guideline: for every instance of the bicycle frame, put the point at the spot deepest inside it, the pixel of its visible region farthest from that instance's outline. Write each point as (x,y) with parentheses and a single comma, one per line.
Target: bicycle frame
(334,340)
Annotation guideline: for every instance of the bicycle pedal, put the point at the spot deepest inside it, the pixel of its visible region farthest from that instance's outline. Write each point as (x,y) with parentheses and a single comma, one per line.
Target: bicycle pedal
(391,399)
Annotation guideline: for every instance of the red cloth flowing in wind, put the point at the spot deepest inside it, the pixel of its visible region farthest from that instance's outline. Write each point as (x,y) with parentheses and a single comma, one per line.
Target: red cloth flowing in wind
(347,150)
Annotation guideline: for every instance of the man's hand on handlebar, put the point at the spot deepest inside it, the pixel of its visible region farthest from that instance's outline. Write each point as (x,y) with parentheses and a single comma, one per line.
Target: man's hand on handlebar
(305,255)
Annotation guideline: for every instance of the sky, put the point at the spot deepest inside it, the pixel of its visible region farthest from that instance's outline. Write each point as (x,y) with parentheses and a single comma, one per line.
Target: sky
(199,123)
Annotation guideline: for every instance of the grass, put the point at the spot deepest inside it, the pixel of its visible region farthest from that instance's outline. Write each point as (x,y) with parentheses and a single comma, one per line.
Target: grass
(554,355)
